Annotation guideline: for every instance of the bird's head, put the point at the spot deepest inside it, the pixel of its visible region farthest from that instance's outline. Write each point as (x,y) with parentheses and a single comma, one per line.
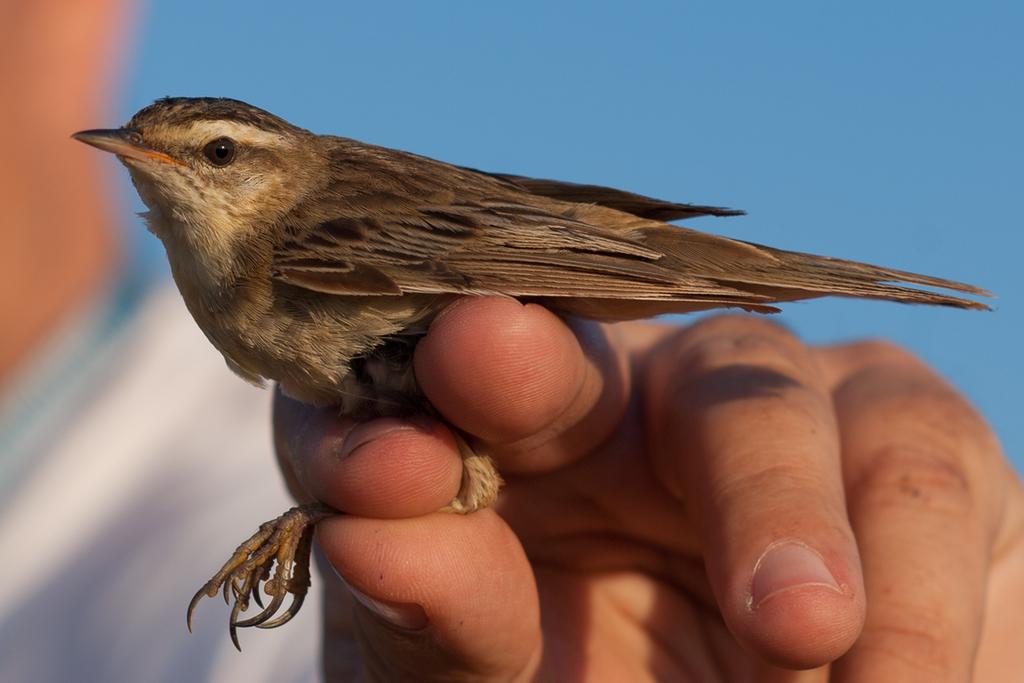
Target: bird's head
(214,167)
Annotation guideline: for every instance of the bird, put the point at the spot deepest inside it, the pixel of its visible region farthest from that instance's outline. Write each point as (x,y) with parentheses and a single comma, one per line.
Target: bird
(317,262)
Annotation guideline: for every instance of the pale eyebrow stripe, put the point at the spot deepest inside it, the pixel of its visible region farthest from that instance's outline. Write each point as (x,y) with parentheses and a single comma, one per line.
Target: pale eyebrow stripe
(240,132)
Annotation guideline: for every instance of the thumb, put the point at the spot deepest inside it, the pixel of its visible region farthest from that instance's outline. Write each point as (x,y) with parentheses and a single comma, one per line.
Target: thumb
(438,597)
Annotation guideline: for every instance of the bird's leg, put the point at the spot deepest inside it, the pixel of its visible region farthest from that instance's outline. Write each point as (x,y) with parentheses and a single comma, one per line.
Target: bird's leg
(480,481)
(274,559)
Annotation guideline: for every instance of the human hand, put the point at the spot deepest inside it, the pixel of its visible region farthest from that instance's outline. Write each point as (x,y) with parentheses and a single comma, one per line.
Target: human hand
(717,502)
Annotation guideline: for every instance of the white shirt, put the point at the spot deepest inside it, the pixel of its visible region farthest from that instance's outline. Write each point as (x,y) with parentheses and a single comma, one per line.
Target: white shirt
(121,491)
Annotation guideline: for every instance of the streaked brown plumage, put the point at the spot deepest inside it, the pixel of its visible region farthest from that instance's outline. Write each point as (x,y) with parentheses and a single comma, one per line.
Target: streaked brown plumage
(318,261)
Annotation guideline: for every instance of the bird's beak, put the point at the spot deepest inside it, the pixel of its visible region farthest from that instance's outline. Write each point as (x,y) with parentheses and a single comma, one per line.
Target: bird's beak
(125,143)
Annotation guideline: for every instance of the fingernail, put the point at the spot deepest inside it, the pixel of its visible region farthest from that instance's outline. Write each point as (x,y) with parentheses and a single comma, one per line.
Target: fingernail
(404,615)
(364,433)
(787,565)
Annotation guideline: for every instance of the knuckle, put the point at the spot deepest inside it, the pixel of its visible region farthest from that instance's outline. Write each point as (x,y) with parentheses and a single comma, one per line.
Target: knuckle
(924,409)
(955,421)
(732,358)
(918,638)
(780,481)
(739,325)
(917,442)
(893,384)
(775,391)
(739,360)
(879,351)
(901,475)
(736,339)
(843,361)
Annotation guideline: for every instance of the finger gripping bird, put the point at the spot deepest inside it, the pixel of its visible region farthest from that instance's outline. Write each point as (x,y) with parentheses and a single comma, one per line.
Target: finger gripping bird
(318,262)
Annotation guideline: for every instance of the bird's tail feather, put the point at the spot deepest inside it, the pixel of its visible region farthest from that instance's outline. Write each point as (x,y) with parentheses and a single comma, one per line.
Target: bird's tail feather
(753,277)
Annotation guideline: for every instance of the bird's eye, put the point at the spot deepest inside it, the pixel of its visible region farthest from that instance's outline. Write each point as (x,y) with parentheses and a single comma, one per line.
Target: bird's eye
(220,152)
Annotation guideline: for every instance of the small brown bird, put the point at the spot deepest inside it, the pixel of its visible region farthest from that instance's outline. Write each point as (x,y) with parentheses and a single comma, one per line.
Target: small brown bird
(318,262)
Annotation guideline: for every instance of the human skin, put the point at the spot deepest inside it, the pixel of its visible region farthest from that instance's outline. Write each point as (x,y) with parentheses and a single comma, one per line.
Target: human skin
(919,512)
(56,248)
(649,468)
(902,472)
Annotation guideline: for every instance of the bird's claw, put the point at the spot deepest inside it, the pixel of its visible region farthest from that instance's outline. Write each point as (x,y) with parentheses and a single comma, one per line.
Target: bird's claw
(274,560)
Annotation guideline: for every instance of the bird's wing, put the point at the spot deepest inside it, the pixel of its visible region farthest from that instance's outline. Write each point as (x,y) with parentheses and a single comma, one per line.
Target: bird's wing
(432,228)
(620,200)
(484,247)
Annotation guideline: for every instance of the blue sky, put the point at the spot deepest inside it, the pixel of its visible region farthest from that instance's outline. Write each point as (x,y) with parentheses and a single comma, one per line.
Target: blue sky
(878,131)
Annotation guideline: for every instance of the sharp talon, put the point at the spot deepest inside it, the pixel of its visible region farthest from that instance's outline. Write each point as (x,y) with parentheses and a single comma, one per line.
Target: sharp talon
(200,594)
(293,609)
(232,625)
(269,612)
(241,604)
(284,543)
(233,632)
(256,594)
(208,590)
